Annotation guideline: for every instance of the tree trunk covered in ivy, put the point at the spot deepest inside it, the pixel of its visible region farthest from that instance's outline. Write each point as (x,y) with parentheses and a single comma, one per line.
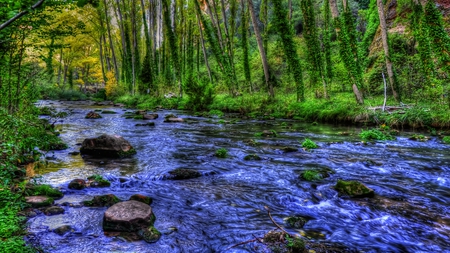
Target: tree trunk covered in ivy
(281,24)
(346,33)
(244,42)
(170,36)
(384,39)
(262,52)
(315,57)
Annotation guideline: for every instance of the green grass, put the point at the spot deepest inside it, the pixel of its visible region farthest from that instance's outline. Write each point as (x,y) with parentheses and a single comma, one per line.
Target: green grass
(446,140)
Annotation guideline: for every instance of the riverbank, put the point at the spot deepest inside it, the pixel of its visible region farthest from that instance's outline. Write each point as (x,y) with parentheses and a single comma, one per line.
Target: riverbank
(340,109)
(21,134)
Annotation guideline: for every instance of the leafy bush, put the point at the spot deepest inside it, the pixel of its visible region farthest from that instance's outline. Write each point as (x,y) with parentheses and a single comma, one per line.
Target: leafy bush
(222,153)
(309,144)
(446,140)
(217,113)
(375,134)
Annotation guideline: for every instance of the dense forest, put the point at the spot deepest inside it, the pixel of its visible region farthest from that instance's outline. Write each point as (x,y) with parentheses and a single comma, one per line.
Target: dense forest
(379,62)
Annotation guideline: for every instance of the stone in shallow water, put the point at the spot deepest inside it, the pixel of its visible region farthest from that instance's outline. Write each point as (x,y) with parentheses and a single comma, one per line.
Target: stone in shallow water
(107,146)
(141,198)
(62,230)
(102,200)
(354,189)
(54,210)
(77,184)
(180,174)
(128,216)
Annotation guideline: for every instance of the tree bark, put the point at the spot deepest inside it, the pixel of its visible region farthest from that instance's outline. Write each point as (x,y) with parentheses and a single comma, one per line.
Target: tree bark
(261,49)
(384,38)
(204,49)
(111,45)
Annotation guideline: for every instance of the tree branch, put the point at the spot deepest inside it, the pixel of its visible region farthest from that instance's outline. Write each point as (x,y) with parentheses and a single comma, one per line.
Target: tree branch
(20,14)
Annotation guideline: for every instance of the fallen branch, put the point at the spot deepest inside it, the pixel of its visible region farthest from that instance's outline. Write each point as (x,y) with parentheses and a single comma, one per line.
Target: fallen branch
(276,224)
(242,243)
(20,14)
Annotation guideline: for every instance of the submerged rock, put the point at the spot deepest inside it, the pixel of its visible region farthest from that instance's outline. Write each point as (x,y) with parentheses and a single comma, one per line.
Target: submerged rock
(62,230)
(77,184)
(102,200)
(147,124)
(253,157)
(173,120)
(180,174)
(150,234)
(39,201)
(150,116)
(296,222)
(354,189)
(107,145)
(92,115)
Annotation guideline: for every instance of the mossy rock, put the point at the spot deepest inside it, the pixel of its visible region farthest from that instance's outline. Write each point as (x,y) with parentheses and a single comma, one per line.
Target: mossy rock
(354,189)
(289,149)
(39,201)
(102,201)
(43,189)
(150,235)
(180,174)
(138,117)
(98,181)
(122,154)
(62,230)
(170,115)
(141,198)
(93,115)
(109,112)
(54,210)
(252,157)
(296,222)
(77,184)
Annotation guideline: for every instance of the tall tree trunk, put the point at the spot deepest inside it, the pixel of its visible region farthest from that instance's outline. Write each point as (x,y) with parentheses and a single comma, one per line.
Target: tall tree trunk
(204,49)
(244,41)
(335,15)
(262,52)
(134,48)
(58,81)
(384,38)
(111,44)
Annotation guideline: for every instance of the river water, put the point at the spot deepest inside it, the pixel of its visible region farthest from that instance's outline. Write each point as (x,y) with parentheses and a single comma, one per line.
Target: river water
(410,212)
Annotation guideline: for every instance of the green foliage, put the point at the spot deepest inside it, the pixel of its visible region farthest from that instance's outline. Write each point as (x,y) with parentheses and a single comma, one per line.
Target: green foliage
(217,113)
(44,189)
(373,22)
(244,43)
(312,175)
(222,153)
(446,140)
(295,244)
(309,144)
(375,134)
(285,32)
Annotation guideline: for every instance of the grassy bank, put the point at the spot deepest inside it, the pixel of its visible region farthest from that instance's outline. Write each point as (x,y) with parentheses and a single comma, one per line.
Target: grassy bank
(21,134)
(341,108)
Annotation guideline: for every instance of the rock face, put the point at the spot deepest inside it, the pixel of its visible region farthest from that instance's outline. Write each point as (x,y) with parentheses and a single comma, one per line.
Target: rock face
(354,189)
(107,146)
(150,116)
(128,216)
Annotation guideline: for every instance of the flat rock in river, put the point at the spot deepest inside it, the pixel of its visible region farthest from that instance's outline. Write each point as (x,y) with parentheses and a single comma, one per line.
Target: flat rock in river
(128,216)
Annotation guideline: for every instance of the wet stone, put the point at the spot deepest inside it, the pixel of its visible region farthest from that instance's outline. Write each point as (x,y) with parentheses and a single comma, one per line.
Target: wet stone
(62,230)
(180,174)
(107,146)
(102,200)
(93,115)
(77,184)
(54,210)
(354,189)
(141,198)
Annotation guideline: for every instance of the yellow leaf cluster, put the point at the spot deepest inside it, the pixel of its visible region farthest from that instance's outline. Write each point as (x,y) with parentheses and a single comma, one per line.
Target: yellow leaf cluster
(111,84)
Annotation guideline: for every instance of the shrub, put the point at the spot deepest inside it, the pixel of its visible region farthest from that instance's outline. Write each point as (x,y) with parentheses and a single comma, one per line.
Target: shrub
(446,140)
(375,134)
(222,153)
(309,144)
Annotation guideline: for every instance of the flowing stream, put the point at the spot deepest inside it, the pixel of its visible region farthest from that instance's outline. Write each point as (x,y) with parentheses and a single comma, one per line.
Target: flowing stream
(411,179)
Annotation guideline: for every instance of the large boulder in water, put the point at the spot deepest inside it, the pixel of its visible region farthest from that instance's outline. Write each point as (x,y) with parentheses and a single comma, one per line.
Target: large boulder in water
(107,145)
(132,220)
